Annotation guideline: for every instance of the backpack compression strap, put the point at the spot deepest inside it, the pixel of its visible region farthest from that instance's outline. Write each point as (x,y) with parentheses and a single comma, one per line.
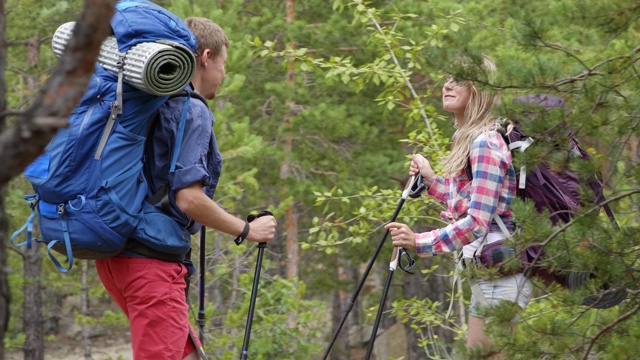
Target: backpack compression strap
(116,109)
(28,225)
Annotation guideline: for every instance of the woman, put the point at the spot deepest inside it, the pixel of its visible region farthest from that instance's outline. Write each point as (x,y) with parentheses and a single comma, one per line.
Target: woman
(475,198)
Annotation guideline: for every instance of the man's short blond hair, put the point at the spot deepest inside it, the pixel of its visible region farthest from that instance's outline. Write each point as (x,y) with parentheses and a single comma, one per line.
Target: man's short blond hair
(209,35)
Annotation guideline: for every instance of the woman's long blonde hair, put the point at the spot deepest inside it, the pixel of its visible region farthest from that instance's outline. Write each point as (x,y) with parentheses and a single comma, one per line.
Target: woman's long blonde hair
(479,118)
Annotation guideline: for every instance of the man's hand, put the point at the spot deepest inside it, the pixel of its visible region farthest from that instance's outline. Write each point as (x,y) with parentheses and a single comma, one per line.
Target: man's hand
(262,229)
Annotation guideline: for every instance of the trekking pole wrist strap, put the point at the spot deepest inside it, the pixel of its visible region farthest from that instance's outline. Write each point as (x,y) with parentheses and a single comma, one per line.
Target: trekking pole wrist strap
(243,234)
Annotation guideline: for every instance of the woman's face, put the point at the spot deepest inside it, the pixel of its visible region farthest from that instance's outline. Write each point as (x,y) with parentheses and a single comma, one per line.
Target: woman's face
(455,97)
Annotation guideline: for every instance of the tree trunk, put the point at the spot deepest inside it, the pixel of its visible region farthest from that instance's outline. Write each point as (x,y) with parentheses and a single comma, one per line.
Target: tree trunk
(291,218)
(350,342)
(4,283)
(84,303)
(32,312)
(216,293)
(285,171)
(5,298)
(340,302)
(435,289)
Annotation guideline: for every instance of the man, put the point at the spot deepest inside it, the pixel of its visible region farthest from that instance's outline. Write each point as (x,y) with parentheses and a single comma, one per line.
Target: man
(151,291)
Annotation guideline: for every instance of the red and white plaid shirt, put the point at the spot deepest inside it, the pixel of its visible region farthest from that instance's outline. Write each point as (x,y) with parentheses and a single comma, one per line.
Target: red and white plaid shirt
(490,192)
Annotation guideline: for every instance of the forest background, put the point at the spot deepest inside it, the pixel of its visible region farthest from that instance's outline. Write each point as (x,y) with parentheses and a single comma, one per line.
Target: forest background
(323,104)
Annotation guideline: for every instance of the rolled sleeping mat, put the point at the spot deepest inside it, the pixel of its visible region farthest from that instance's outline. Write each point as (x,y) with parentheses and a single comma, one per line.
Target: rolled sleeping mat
(159,68)
(605,298)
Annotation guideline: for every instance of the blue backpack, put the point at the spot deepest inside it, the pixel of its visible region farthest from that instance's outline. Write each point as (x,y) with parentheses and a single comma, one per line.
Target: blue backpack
(90,190)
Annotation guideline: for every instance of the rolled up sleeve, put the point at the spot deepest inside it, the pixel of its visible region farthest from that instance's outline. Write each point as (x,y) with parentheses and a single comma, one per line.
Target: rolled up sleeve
(191,165)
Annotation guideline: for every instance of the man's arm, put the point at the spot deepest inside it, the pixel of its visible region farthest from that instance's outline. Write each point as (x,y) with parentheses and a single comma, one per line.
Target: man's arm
(195,203)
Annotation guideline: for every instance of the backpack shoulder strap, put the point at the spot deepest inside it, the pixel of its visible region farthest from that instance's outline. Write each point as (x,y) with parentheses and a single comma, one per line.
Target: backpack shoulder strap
(521,145)
(596,186)
(183,122)
(194,94)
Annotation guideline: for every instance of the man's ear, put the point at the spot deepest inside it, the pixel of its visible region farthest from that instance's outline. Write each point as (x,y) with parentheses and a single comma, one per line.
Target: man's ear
(204,57)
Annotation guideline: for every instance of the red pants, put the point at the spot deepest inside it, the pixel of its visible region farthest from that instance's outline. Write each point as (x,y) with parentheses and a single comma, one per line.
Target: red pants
(152,295)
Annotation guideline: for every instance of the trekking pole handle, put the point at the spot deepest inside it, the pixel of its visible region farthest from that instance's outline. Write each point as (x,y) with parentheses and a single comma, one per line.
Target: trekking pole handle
(417,186)
(393,265)
(238,240)
(262,213)
(407,190)
(252,217)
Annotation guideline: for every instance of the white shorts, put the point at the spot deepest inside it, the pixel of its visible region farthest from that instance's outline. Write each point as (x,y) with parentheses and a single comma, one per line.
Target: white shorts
(514,288)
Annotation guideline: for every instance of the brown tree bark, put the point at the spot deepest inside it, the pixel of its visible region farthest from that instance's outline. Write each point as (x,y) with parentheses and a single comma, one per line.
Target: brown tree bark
(291,217)
(5,297)
(435,289)
(84,303)
(348,344)
(27,138)
(33,348)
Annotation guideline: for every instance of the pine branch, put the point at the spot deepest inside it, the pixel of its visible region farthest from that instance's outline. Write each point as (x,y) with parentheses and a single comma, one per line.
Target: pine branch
(570,223)
(608,328)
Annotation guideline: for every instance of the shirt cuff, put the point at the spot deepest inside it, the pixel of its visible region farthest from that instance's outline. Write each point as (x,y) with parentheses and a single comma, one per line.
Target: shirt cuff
(437,187)
(424,244)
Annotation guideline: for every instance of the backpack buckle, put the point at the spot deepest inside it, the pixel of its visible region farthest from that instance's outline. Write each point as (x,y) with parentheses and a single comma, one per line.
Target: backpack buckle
(60,210)
(33,202)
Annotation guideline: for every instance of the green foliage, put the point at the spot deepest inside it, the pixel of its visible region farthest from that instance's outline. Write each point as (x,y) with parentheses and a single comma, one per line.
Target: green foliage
(29,54)
(272,332)
(550,330)
(12,343)
(534,53)
(113,319)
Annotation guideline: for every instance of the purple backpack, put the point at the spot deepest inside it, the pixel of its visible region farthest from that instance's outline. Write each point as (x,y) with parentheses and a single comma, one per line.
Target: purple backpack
(557,192)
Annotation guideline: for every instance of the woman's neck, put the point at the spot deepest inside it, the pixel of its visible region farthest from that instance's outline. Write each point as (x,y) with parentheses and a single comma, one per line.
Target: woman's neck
(459,121)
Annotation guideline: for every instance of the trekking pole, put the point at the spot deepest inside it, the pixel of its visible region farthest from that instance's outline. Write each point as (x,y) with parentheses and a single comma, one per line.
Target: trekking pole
(252,304)
(200,321)
(254,289)
(414,190)
(397,253)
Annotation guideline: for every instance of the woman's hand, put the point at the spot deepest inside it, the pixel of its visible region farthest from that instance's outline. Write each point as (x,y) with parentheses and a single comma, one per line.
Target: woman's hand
(401,235)
(421,165)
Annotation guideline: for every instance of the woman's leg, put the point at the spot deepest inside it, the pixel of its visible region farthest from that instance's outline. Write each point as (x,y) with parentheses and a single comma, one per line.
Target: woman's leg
(515,289)
(476,338)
